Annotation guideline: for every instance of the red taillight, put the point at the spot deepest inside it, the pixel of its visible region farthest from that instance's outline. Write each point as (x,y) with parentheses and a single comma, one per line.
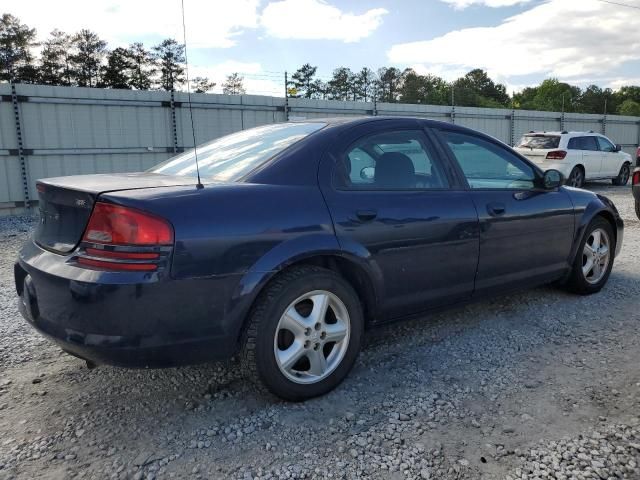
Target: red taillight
(556,155)
(96,252)
(116,225)
(635,180)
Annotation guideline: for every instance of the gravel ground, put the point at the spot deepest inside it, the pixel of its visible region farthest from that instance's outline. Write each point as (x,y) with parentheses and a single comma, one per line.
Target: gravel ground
(540,384)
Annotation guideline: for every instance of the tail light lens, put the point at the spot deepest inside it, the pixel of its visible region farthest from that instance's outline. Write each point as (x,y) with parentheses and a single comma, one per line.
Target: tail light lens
(556,155)
(635,180)
(125,239)
(116,225)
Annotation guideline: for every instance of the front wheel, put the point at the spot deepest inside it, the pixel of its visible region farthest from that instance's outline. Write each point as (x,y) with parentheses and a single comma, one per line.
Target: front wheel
(304,333)
(594,259)
(576,177)
(623,176)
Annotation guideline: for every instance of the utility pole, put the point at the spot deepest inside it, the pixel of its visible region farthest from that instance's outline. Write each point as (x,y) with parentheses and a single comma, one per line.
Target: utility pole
(453,104)
(286,97)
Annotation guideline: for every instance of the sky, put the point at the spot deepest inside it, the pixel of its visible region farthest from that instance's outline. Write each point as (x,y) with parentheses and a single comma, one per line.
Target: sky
(519,42)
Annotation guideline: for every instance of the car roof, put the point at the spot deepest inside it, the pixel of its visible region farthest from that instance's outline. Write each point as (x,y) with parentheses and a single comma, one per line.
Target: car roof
(565,133)
(363,119)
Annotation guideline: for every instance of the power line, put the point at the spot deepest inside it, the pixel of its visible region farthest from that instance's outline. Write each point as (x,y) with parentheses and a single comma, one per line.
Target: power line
(610,2)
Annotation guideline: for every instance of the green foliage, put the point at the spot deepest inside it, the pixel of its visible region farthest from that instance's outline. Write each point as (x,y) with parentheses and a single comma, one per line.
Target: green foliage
(55,63)
(629,107)
(477,89)
(234,85)
(550,95)
(169,56)
(202,84)
(302,80)
(86,60)
(143,68)
(16,42)
(116,74)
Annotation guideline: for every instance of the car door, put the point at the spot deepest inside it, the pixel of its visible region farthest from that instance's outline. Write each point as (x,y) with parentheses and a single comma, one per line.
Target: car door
(526,233)
(395,203)
(590,153)
(610,158)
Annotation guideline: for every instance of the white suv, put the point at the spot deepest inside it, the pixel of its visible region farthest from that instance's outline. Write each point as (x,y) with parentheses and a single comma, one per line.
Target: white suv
(579,156)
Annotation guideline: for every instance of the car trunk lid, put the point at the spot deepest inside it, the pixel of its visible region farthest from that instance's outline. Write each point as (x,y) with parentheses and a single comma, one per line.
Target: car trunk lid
(66,203)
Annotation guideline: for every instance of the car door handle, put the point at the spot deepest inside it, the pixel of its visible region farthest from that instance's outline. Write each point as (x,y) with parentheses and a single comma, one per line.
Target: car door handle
(496,209)
(366,215)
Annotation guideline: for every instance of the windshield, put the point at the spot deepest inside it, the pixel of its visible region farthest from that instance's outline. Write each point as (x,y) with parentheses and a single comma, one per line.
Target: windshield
(229,158)
(543,142)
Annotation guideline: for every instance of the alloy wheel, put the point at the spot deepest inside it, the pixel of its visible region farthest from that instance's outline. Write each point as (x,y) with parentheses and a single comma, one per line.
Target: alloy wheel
(595,256)
(575,180)
(312,337)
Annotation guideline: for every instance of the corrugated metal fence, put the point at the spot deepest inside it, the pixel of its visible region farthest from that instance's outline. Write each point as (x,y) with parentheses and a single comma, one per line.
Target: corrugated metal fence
(51,131)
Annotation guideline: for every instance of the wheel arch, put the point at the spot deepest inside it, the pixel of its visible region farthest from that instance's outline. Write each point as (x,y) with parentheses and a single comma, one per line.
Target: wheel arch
(352,268)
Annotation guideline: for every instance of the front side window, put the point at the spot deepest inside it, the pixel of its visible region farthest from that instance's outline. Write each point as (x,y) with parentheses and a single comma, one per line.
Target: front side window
(229,158)
(390,161)
(489,166)
(605,145)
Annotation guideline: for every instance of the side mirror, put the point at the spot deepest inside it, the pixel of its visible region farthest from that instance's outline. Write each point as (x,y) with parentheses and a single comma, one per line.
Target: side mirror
(367,173)
(552,179)
(618,147)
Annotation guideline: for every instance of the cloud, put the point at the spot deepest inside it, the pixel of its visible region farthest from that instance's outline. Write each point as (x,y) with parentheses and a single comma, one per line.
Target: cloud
(461,4)
(561,38)
(210,23)
(317,20)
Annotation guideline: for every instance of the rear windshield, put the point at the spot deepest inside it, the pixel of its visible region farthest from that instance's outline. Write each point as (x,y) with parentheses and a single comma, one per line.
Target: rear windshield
(231,157)
(543,142)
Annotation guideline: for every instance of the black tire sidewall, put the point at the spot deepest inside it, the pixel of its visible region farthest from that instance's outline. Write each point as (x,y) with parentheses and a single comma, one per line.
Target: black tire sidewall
(574,171)
(266,364)
(578,282)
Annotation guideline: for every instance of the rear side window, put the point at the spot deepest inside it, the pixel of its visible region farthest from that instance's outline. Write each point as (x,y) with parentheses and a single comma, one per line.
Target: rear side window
(538,141)
(399,160)
(583,143)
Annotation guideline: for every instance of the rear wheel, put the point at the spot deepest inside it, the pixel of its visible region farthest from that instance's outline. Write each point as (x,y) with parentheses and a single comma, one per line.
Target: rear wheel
(304,333)
(638,209)
(623,175)
(576,177)
(594,260)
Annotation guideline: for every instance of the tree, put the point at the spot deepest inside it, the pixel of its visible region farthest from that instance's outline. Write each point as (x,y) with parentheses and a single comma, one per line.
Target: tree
(202,85)
(425,89)
(477,89)
(116,74)
(170,57)
(341,85)
(550,95)
(364,82)
(234,85)
(389,84)
(302,80)
(16,41)
(594,99)
(87,57)
(142,67)
(55,65)
(629,107)
(319,89)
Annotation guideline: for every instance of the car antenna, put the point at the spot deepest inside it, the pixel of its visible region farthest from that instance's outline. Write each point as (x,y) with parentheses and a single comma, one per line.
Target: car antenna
(186,69)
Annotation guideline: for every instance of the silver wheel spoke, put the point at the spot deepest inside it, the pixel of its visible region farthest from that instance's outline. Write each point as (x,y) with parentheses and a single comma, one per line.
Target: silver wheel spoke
(586,269)
(604,250)
(317,361)
(597,270)
(595,245)
(294,322)
(320,306)
(289,357)
(335,331)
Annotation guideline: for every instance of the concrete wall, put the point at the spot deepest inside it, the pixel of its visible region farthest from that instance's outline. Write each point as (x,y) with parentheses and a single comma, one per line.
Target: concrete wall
(70,130)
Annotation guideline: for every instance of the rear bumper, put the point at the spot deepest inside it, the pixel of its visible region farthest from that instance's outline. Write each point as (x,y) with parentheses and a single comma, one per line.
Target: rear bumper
(123,319)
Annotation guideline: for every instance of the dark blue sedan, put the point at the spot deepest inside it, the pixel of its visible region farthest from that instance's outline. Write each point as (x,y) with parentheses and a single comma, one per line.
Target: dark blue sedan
(299,237)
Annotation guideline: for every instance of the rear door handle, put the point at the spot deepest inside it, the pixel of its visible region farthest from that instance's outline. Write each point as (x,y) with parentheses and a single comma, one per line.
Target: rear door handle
(366,215)
(496,209)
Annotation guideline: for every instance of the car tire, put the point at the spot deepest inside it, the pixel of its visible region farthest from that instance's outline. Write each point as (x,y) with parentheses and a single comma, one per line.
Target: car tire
(585,278)
(576,177)
(288,317)
(623,175)
(637,209)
